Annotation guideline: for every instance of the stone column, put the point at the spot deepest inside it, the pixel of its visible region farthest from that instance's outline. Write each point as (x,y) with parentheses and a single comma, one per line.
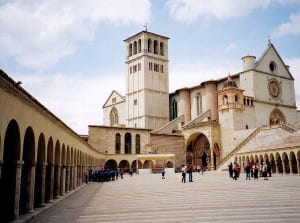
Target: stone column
(298,168)
(43,184)
(75,177)
(290,165)
(63,180)
(30,187)
(283,167)
(52,181)
(212,167)
(19,165)
(57,186)
(67,178)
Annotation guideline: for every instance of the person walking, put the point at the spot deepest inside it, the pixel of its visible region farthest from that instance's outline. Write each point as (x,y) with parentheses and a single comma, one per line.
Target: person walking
(183,173)
(230,169)
(163,172)
(248,171)
(190,172)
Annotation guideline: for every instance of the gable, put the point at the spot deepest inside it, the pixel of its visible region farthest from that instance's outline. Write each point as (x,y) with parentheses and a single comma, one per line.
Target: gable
(271,62)
(113,99)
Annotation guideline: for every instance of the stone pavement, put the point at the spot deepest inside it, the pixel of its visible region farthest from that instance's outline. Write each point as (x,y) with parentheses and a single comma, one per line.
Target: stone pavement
(212,197)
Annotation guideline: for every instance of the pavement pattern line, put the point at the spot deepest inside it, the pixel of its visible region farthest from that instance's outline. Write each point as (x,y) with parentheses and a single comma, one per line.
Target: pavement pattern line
(212,197)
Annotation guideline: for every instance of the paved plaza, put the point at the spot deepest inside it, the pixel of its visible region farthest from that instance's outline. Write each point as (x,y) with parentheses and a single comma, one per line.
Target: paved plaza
(212,197)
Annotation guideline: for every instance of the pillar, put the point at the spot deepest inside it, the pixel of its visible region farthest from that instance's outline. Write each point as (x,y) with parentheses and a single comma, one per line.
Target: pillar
(283,167)
(290,164)
(298,168)
(1,164)
(63,180)
(57,185)
(75,177)
(19,165)
(52,181)
(67,178)
(30,187)
(43,184)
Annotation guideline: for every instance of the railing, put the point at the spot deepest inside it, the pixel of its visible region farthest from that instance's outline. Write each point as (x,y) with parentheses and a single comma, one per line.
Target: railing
(238,147)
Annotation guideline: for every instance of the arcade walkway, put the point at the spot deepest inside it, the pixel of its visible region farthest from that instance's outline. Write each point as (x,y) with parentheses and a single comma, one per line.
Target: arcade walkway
(212,197)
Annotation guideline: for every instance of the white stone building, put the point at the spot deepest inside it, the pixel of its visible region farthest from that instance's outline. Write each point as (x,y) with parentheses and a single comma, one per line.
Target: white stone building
(214,118)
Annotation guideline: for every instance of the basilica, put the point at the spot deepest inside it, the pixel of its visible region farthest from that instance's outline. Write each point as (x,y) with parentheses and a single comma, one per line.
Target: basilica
(236,117)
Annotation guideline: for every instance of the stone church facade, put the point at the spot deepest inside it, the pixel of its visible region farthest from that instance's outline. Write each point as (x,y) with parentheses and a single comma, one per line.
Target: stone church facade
(203,124)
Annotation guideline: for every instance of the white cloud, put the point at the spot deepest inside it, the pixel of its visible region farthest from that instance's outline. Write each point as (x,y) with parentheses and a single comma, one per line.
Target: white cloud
(189,10)
(76,102)
(292,27)
(38,33)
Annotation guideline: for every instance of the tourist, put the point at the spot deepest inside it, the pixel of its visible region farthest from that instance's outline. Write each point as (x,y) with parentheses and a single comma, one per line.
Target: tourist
(190,172)
(183,173)
(230,169)
(248,170)
(163,172)
(255,172)
(265,171)
(236,170)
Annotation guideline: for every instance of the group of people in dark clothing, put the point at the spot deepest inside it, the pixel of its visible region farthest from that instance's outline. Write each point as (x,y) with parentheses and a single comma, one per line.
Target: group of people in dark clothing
(103,175)
(252,170)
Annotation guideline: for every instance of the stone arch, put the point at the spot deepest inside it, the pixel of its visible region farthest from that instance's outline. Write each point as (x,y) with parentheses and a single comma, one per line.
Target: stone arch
(293,161)
(272,163)
(130,50)
(110,164)
(170,164)
(278,162)
(11,154)
(148,164)
(27,177)
(285,161)
(198,150)
(124,164)
(39,189)
(276,117)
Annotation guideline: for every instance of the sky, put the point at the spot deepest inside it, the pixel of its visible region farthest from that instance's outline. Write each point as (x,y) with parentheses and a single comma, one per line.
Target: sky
(70,54)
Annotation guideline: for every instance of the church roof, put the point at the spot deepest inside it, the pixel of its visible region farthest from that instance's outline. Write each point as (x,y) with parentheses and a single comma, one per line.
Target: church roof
(270,47)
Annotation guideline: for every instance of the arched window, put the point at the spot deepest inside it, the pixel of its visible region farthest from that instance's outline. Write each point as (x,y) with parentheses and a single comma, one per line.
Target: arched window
(161,46)
(199,103)
(236,98)
(225,100)
(137,144)
(149,45)
(139,46)
(155,43)
(174,109)
(114,117)
(130,50)
(134,47)
(276,117)
(118,143)
(127,143)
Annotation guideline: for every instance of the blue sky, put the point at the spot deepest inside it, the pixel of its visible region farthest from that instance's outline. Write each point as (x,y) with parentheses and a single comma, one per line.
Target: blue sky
(70,54)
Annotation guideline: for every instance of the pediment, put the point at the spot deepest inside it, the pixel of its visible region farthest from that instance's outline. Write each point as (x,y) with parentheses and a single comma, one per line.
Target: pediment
(113,99)
(271,62)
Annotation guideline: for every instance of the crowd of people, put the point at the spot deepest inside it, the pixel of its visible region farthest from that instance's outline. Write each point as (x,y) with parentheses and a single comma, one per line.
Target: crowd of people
(103,175)
(252,170)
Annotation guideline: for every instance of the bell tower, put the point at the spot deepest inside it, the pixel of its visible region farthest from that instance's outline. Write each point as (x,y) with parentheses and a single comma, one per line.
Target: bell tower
(147,80)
